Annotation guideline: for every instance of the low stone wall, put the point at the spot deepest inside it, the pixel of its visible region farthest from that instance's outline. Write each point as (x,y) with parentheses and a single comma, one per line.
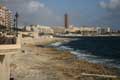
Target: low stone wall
(7,40)
(5,51)
(15,45)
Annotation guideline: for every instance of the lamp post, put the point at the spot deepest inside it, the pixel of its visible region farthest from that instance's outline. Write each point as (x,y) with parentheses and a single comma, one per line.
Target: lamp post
(14,25)
(16,22)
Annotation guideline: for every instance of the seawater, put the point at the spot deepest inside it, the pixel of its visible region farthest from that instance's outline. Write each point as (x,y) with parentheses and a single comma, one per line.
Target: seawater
(101,50)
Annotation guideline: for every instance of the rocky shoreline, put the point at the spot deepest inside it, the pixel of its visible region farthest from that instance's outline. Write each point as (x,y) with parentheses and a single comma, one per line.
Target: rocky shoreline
(36,62)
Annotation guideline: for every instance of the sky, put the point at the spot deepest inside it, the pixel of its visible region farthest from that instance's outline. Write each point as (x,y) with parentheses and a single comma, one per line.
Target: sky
(80,12)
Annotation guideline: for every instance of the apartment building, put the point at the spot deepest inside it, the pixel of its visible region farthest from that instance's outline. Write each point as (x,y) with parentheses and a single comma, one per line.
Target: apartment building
(5,17)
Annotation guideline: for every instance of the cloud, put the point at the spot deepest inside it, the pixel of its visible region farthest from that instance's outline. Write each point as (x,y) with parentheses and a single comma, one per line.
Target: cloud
(33,12)
(112,4)
(112,15)
(103,4)
(34,6)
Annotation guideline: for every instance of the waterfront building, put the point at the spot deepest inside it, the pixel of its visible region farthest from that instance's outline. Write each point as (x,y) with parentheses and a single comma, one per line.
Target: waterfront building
(87,30)
(44,29)
(41,29)
(5,17)
(72,29)
(95,30)
(103,30)
(28,28)
(58,29)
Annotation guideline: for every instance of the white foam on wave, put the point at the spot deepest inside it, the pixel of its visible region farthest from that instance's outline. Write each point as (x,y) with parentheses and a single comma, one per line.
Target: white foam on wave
(81,55)
(56,44)
(65,48)
(60,43)
(95,59)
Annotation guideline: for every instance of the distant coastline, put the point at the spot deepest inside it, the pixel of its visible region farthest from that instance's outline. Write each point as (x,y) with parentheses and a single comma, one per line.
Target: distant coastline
(84,36)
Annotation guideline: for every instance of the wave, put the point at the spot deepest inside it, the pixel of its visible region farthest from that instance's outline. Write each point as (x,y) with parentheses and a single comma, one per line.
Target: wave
(82,55)
(56,44)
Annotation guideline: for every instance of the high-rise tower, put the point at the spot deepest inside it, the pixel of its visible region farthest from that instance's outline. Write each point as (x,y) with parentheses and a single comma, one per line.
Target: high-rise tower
(66,24)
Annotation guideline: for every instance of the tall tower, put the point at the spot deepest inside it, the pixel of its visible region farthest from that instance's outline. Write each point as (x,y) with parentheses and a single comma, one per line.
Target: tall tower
(66,24)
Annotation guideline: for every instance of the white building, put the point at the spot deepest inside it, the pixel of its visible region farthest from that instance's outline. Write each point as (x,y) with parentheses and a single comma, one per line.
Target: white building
(72,29)
(40,29)
(101,30)
(95,30)
(44,29)
(87,30)
(28,28)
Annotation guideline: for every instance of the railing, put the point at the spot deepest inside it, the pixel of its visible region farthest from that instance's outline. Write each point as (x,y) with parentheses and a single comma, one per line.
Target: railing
(7,40)
(16,45)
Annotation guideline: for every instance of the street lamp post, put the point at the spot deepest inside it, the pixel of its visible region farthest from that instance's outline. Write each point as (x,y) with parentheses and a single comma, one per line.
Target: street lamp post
(16,22)
(14,25)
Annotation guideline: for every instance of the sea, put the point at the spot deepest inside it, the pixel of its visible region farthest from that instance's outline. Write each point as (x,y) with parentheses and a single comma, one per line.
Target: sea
(99,50)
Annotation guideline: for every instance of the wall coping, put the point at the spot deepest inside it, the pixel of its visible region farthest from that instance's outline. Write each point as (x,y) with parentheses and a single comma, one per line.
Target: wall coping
(12,46)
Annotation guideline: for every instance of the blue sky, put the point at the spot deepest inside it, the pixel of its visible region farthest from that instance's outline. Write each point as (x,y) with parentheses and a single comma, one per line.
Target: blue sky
(81,12)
